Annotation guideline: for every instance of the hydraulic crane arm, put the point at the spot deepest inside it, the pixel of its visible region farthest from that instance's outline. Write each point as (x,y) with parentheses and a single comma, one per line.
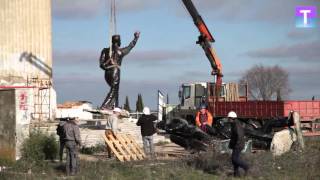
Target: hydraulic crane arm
(205,39)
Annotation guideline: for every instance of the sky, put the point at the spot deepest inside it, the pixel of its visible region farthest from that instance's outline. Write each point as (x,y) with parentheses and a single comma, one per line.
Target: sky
(247,33)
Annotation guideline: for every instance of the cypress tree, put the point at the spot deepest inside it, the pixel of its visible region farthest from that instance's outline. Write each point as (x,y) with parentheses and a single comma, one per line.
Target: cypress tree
(139,103)
(126,105)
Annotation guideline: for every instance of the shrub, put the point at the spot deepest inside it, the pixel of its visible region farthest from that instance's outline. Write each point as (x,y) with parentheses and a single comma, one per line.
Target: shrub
(39,147)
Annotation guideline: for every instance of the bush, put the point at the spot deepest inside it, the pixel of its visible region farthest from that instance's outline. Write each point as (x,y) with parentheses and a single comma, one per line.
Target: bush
(39,147)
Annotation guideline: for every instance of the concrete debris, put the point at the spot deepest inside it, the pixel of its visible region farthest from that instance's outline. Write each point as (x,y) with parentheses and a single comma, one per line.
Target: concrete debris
(282,141)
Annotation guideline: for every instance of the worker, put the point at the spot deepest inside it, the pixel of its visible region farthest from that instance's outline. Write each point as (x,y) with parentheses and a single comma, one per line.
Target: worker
(72,143)
(237,143)
(112,65)
(112,126)
(146,121)
(60,133)
(112,121)
(204,118)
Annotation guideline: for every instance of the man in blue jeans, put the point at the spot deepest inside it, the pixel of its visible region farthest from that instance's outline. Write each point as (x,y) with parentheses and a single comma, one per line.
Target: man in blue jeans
(146,121)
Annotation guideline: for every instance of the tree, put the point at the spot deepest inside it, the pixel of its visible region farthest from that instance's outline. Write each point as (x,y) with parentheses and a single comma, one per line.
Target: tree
(139,103)
(126,105)
(266,83)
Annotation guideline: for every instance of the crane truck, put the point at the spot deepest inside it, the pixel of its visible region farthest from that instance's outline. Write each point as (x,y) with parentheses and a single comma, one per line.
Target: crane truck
(224,97)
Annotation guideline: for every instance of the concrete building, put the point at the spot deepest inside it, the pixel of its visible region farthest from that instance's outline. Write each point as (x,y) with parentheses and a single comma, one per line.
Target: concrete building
(74,109)
(16,107)
(25,40)
(26,51)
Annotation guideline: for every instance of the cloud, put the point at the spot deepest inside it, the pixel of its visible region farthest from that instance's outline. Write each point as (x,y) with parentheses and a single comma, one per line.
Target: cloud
(250,10)
(77,77)
(137,5)
(75,57)
(83,9)
(76,9)
(160,55)
(303,34)
(94,89)
(85,57)
(303,81)
(305,51)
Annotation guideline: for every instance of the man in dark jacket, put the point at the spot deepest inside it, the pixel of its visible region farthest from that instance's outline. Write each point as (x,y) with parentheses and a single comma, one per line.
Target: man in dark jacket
(111,63)
(60,133)
(146,121)
(73,142)
(237,143)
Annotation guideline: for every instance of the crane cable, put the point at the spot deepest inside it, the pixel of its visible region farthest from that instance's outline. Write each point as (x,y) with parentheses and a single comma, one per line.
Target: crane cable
(112,24)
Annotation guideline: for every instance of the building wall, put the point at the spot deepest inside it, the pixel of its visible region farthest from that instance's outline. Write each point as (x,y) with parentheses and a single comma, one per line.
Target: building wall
(7,124)
(25,40)
(76,111)
(16,107)
(24,108)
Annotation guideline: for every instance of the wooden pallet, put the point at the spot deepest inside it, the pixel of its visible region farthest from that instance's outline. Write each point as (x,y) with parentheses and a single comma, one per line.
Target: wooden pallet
(124,147)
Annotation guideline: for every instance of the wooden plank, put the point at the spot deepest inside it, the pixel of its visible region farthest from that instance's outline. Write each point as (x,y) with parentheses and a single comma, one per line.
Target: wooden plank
(132,147)
(138,148)
(227,92)
(136,145)
(125,146)
(119,147)
(110,144)
(237,92)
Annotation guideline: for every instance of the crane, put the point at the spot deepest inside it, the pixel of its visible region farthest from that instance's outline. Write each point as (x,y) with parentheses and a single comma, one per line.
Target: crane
(204,40)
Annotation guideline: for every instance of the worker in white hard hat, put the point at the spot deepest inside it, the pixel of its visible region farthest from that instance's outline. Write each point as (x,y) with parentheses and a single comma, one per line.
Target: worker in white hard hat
(112,121)
(146,121)
(237,143)
(112,125)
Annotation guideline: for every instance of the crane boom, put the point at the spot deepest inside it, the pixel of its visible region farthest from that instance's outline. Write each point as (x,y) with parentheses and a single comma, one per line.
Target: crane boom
(204,40)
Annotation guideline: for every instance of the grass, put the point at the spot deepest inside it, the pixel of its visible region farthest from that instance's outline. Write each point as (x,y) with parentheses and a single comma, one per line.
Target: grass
(292,165)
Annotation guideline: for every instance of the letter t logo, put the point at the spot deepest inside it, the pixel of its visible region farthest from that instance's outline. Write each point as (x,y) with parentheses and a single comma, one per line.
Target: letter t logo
(306,16)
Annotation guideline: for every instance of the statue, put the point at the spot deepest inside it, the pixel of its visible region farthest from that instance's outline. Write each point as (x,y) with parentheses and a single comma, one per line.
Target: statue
(111,66)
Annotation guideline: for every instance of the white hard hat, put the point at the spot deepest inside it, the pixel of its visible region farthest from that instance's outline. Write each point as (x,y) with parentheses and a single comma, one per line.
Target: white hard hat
(146,111)
(232,114)
(117,110)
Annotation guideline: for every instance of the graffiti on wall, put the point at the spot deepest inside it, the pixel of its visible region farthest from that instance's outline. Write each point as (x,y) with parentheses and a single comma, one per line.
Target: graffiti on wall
(23,101)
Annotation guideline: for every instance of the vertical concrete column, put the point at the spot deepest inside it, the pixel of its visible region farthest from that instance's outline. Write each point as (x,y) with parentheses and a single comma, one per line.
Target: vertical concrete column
(297,124)
(25,28)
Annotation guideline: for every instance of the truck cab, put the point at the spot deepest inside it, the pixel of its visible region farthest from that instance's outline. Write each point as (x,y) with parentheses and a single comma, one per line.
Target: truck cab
(192,95)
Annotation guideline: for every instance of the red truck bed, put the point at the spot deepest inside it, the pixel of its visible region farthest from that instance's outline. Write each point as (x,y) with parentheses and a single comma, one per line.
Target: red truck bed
(308,110)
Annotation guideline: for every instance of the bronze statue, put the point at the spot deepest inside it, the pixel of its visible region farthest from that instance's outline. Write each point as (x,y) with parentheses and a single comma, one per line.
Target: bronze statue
(112,65)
